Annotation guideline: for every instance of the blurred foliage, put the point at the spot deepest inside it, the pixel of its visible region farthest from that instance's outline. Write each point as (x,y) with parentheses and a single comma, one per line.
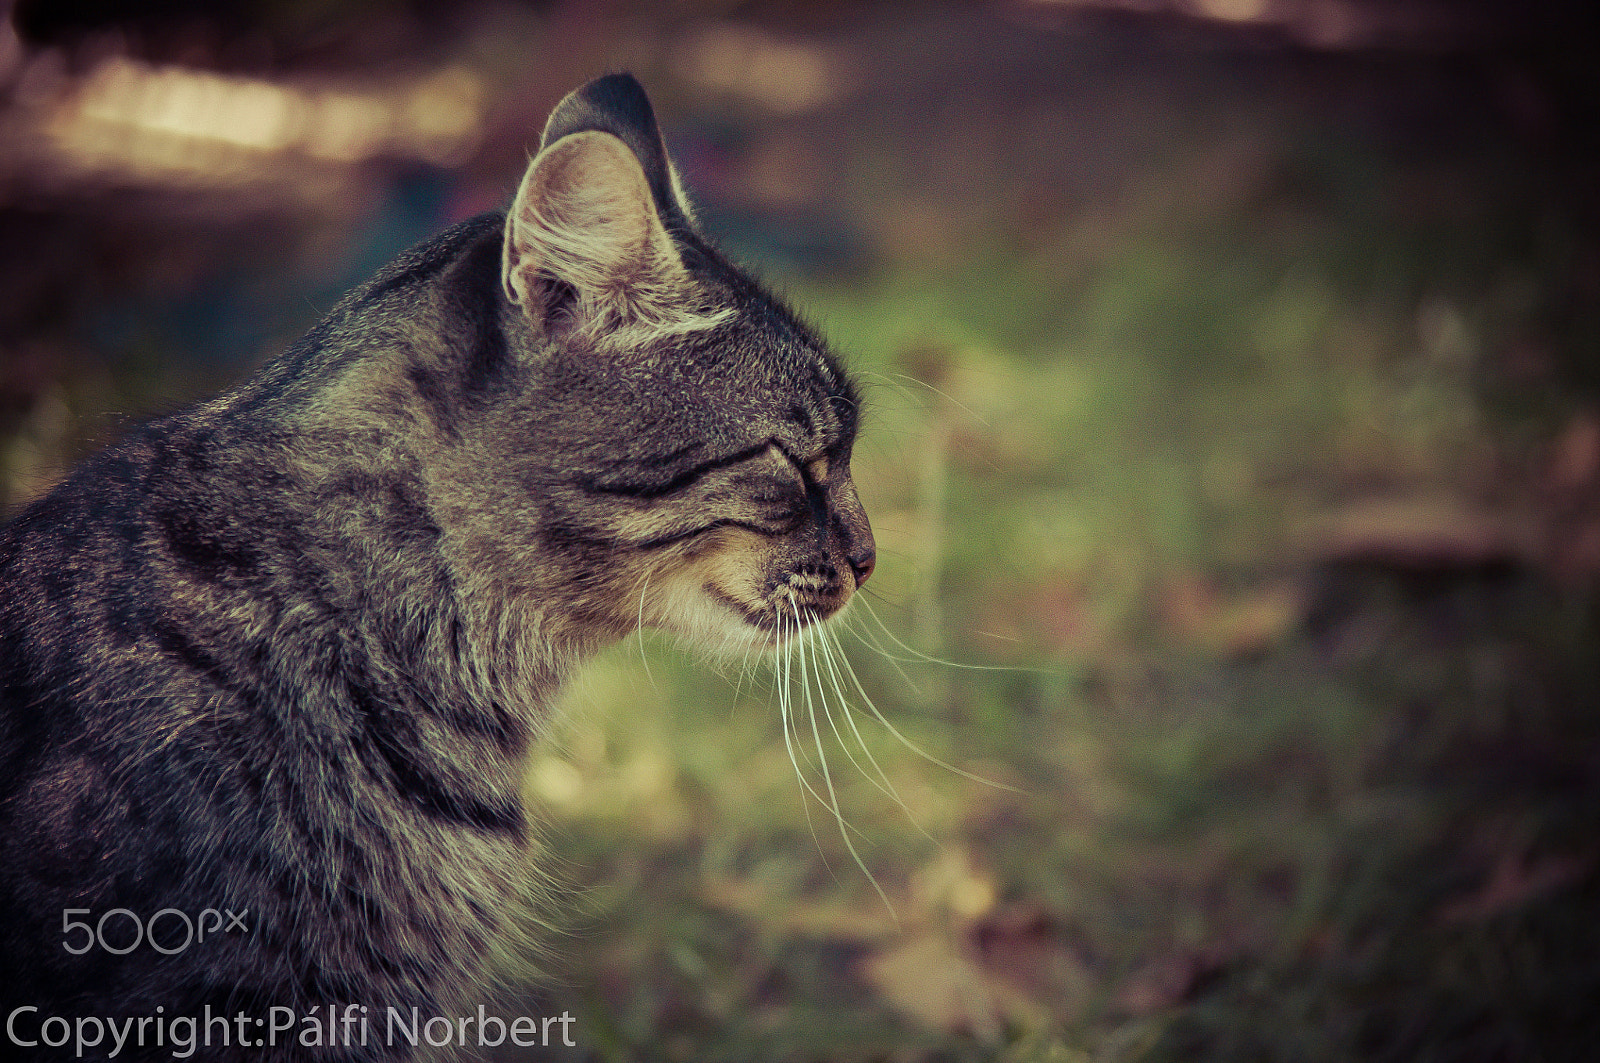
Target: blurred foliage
(1230,437)
(1229,474)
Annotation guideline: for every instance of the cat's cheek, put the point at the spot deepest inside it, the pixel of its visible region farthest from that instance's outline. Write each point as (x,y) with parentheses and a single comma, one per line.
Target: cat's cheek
(713,595)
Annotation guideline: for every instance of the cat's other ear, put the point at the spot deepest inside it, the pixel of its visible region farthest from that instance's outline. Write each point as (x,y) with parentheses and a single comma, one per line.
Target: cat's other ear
(584,240)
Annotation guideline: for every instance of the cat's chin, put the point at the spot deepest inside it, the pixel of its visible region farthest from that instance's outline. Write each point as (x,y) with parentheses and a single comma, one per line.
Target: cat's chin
(722,625)
(738,637)
(723,632)
(714,607)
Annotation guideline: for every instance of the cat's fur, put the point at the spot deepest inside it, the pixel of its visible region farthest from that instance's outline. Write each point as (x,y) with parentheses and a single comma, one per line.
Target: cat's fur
(284,652)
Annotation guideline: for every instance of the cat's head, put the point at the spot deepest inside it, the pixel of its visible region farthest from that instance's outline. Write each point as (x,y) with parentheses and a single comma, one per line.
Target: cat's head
(690,449)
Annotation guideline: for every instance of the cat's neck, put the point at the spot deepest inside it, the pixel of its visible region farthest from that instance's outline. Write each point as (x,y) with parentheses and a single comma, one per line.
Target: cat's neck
(345,564)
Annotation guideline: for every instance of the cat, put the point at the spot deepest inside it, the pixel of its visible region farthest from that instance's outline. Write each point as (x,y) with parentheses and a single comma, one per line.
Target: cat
(279,657)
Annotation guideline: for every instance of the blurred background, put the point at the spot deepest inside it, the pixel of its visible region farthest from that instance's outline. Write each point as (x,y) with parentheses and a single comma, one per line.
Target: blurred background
(1233,452)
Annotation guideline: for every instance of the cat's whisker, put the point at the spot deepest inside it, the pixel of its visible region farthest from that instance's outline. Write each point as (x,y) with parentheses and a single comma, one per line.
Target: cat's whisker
(796,641)
(827,778)
(644,657)
(894,380)
(795,647)
(824,652)
(875,378)
(870,641)
(785,704)
(743,676)
(751,663)
(970,412)
(822,658)
(924,754)
(918,657)
(831,648)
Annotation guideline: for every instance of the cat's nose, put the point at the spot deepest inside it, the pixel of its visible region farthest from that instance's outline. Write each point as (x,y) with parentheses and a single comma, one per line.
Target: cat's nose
(862,565)
(856,540)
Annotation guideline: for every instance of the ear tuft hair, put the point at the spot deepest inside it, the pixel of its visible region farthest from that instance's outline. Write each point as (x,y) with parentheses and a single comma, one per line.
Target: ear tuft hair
(587,244)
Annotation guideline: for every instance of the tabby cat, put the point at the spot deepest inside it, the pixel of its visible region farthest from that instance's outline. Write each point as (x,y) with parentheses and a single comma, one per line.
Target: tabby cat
(282,655)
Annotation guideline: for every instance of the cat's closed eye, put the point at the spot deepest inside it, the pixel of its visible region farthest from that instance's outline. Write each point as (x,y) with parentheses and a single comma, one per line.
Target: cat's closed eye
(783,507)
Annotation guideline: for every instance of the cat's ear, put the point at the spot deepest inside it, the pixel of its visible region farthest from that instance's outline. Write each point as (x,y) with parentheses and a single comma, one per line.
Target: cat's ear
(584,237)
(617,104)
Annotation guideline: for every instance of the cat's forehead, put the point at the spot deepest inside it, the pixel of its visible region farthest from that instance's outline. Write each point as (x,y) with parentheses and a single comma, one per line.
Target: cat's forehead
(760,373)
(777,378)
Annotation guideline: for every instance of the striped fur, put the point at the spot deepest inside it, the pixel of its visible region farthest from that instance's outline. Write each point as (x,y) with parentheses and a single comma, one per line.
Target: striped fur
(285,652)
